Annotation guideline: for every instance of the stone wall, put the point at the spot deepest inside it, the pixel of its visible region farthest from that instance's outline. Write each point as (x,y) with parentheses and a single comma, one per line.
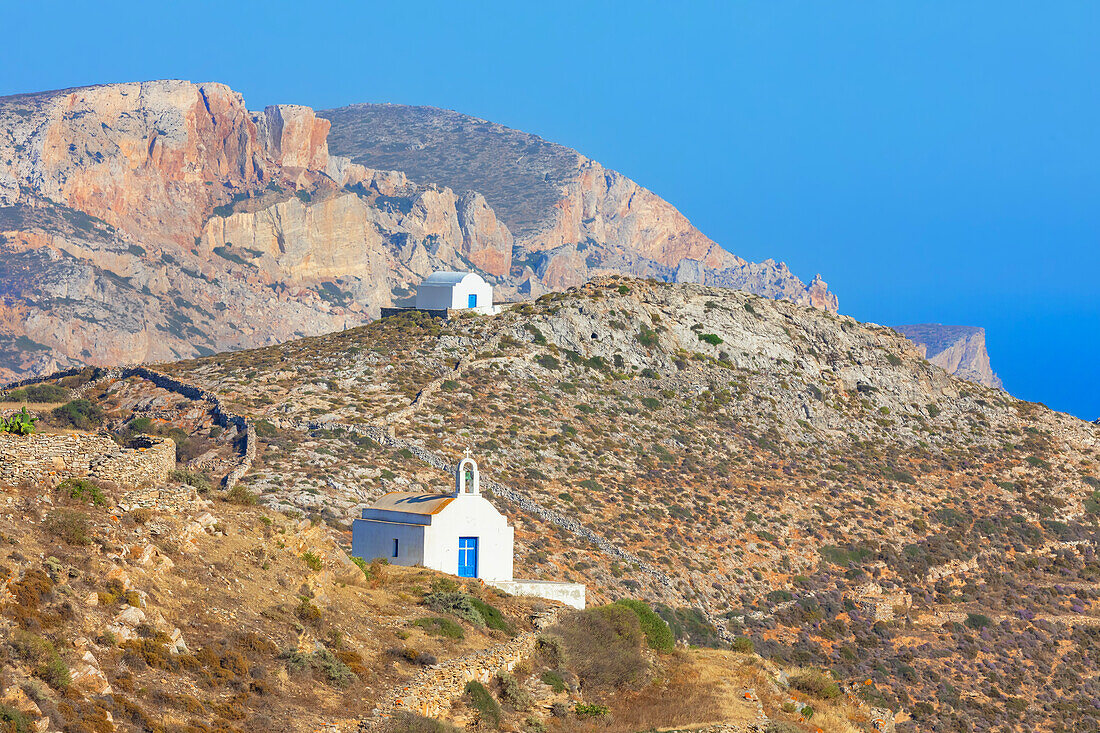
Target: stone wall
(222,416)
(42,456)
(431,692)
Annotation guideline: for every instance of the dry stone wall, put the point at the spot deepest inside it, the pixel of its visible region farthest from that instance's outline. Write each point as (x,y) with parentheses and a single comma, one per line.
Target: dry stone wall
(431,692)
(222,416)
(39,457)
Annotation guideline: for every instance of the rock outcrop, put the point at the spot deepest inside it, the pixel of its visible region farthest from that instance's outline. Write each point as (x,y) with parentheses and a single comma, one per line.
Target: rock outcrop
(162,220)
(959,350)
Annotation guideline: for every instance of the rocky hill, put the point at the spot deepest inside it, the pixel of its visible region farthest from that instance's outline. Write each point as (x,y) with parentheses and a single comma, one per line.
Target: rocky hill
(753,468)
(136,603)
(161,220)
(958,349)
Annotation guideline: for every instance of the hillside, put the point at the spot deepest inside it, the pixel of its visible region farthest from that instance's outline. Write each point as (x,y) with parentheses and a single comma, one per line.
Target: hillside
(752,467)
(179,606)
(163,220)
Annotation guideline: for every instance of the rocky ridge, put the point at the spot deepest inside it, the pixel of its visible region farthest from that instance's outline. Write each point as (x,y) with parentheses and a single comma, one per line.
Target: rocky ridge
(160,220)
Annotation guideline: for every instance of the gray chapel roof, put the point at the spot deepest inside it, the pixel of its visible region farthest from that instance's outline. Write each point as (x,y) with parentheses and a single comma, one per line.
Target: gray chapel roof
(448,278)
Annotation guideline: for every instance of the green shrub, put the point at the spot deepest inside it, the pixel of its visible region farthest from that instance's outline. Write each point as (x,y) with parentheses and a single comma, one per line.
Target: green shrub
(743,645)
(591,711)
(978,620)
(240,495)
(651,403)
(265,429)
(536,333)
(492,615)
(624,290)
(511,693)
(334,671)
(455,603)
(647,337)
(480,700)
(80,414)
(312,560)
(39,393)
(816,682)
(711,338)
(14,721)
(405,722)
(657,633)
(69,526)
(199,481)
(82,489)
(547,362)
(603,646)
(440,627)
(555,681)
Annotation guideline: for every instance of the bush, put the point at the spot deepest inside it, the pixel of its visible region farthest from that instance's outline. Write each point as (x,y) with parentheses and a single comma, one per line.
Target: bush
(82,489)
(39,393)
(591,711)
(554,680)
(409,723)
(440,627)
(80,414)
(307,612)
(657,633)
(511,693)
(240,495)
(14,721)
(816,682)
(455,603)
(603,646)
(332,669)
(711,338)
(978,621)
(492,615)
(312,560)
(199,481)
(69,526)
(651,403)
(480,700)
(743,645)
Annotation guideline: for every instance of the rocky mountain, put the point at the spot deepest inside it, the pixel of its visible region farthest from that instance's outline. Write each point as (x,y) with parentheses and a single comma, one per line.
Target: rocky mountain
(572,218)
(160,220)
(958,349)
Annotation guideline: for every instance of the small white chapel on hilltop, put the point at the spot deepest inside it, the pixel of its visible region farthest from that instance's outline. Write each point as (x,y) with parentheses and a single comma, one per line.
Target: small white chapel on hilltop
(460,533)
(455,291)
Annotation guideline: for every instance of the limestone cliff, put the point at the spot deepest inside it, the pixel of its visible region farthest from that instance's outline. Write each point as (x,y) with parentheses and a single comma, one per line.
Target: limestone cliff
(162,220)
(960,350)
(572,218)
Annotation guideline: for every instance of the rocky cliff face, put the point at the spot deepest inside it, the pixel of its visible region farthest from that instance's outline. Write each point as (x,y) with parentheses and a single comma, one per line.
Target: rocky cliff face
(572,218)
(162,220)
(960,350)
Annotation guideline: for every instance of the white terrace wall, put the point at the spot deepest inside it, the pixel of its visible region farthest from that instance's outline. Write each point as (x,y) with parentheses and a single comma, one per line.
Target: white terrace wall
(35,458)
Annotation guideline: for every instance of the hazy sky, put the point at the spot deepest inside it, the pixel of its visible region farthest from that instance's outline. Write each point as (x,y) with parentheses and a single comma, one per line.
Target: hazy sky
(936,162)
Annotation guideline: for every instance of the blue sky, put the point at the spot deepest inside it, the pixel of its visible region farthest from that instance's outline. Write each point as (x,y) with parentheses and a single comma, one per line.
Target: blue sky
(936,162)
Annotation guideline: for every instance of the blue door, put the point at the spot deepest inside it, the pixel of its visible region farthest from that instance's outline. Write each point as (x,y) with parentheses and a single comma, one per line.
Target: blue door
(467,557)
(473,300)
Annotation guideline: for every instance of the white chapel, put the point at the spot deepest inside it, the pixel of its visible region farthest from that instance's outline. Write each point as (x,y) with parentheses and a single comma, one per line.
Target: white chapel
(460,533)
(455,291)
